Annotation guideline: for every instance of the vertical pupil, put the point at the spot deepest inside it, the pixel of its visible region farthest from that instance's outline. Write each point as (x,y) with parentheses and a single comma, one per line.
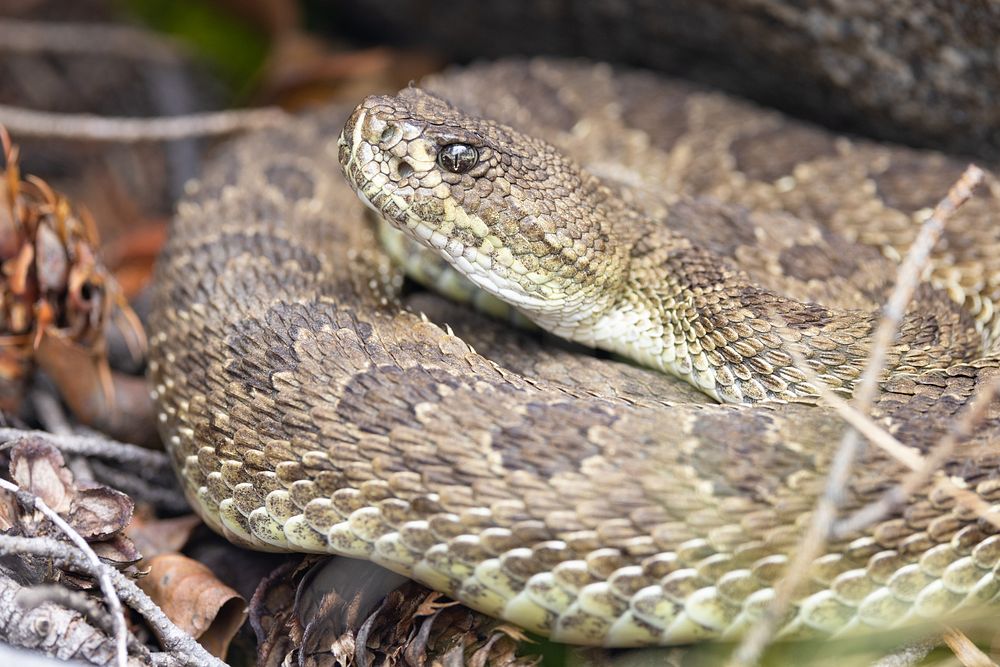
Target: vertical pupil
(458,158)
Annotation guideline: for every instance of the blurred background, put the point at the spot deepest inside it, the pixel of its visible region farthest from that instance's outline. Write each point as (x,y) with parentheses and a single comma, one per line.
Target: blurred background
(891,70)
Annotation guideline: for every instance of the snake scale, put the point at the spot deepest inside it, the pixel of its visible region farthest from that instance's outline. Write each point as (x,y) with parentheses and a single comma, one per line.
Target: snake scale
(312,403)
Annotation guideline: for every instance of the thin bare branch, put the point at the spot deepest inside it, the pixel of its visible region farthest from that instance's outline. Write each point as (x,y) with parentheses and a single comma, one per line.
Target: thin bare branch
(752,646)
(908,456)
(907,280)
(164,660)
(85,38)
(926,467)
(164,496)
(94,445)
(181,645)
(967,653)
(78,601)
(49,412)
(46,618)
(114,604)
(64,597)
(864,424)
(87,127)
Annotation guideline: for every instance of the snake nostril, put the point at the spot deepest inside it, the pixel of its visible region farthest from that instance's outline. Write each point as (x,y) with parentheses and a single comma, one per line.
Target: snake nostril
(405,169)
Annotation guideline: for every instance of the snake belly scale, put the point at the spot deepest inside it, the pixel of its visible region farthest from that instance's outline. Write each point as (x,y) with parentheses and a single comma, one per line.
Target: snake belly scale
(311,405)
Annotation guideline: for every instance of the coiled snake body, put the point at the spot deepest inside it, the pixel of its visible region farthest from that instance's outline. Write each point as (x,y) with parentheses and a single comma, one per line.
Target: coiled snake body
(310,407)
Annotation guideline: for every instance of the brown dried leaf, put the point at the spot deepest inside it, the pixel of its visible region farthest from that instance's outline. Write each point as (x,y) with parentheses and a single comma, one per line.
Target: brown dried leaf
(195,600)
(119,551)
(8,512)
(480,657)
(38,468)
(514,632)
(15,371)
(98,512)
(81,374)
(132,256)
(17,269)
(156,536)
(9,241)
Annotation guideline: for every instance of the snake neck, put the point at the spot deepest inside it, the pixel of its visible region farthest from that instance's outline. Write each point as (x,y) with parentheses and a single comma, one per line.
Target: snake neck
(683,310)
(534,228)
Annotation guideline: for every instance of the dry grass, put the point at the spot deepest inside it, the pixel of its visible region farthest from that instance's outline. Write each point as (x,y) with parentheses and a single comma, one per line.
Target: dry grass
(824,516)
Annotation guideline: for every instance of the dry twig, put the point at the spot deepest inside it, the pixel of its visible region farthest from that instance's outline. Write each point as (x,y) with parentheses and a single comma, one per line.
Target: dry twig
(78,601)
(88,127)
(94,445)
(757,638)
(107,589)
(181,646)
(104,39)
(925,468)
(145,475)
(49,412)
(48,618)
(967,653)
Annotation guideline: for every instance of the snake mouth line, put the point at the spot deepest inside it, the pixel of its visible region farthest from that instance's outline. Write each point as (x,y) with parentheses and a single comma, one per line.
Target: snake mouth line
(385,201)
(376,197)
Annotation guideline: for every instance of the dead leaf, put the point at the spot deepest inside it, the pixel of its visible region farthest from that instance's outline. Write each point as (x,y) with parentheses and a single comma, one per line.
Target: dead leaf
(271,610)
(98,512)
(154,536)
(433,603)
(115,403)
(38,468)
(8,512)
(132,255)
(119,551)
(195,600)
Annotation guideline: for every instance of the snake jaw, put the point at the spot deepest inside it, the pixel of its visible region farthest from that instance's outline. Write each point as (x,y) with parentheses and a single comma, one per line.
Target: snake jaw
(485,209)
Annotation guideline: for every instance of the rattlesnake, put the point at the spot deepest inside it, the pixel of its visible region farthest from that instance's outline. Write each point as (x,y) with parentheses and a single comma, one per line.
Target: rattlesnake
(311,403)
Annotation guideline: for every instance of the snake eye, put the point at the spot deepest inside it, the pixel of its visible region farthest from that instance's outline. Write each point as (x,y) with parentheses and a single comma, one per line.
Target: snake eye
(458,158)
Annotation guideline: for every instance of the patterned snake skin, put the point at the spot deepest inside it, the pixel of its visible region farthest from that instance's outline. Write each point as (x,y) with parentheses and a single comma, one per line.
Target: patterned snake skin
(311,404)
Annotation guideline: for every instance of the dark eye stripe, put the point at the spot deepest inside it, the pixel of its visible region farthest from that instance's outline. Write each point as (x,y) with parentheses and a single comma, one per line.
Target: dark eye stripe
(458,158)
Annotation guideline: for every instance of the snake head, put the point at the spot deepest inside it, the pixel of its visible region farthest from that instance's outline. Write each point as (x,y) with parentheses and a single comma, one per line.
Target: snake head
(506,209)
